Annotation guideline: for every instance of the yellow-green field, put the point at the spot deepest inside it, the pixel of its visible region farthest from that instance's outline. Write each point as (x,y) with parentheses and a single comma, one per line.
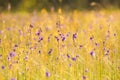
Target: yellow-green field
(77,45)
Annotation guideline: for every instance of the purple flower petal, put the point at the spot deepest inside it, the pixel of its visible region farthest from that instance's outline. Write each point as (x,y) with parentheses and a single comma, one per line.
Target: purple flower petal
(49,52)
(8,58)
(12,54)
(74,59)
(47,74)
(74,36)
(3,67)
(40,39)
(92,53)
(38,32)
(91,38)
(81,46)
(68,55)
(63,38)
(96,44)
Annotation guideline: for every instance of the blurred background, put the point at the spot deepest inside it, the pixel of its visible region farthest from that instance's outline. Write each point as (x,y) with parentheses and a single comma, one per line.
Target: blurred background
(31,5)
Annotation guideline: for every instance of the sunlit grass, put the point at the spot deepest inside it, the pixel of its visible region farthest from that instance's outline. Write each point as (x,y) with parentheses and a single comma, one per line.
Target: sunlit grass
(60,46)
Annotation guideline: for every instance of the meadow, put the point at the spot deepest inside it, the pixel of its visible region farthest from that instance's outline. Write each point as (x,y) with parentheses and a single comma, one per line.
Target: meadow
(77,45)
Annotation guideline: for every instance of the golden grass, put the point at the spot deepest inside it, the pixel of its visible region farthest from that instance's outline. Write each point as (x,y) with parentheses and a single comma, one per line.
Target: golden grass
(69,59)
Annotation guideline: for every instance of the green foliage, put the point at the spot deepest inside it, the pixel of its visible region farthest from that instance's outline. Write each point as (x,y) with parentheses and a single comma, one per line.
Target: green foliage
(31,5)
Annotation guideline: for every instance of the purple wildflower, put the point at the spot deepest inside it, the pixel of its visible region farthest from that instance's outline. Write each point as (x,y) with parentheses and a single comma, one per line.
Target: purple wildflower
(81,46)
(68,55)
(96,43)
(104,48)
(12,54)
(38,32)
(91,38)
(3,67)
(40,39)
(9,58)
(92,53)
(49,52)
(74,36)
(74,59)
(47,74)
(63,38)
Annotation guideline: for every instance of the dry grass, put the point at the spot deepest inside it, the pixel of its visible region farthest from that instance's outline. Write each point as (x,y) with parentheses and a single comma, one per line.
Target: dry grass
(60,46)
